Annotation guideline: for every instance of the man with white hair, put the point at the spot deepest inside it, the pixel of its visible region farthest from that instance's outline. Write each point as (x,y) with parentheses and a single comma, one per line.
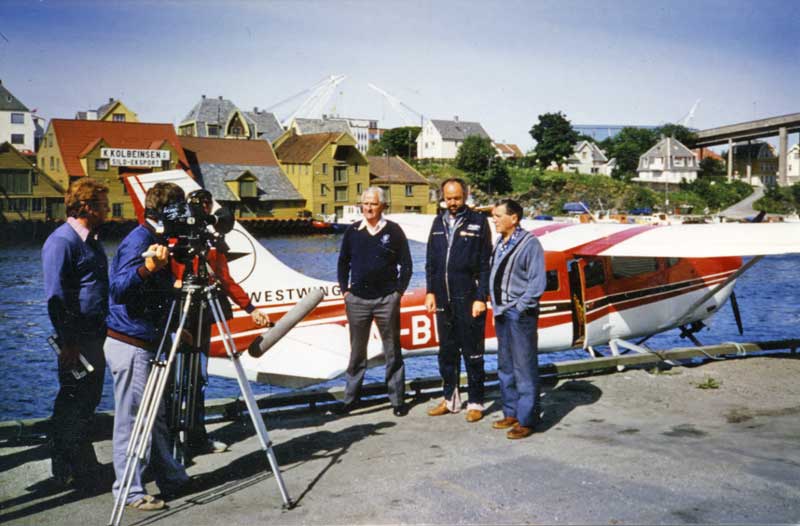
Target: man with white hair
(374,270)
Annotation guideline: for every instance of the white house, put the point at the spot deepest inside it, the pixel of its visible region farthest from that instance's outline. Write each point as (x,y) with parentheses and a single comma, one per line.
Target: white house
(16,122)
(508,150)
(793,164)
(669,161)
(588,158)
(442,139)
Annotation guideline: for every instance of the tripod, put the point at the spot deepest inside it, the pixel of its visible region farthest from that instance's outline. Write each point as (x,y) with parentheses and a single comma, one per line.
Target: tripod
(196,296)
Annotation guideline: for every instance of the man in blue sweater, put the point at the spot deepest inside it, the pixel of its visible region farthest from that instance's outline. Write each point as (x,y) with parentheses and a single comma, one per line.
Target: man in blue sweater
(141,293)
(374,270)
(76,288)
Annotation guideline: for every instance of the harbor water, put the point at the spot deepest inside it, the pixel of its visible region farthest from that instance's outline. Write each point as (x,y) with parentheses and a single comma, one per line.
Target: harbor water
(768,296)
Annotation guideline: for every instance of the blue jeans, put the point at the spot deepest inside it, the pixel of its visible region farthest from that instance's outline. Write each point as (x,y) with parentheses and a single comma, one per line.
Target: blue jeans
(130,367)
(518,364)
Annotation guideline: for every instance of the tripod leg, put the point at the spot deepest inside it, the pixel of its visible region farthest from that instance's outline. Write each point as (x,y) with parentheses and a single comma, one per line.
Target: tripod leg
(139,441)
(249,399)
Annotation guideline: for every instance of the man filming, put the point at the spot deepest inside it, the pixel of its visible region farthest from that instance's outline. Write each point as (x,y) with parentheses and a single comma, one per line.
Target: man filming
(141,292)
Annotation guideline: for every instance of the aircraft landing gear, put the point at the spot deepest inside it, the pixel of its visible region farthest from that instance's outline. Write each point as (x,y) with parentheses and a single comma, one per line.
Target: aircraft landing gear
(688,331)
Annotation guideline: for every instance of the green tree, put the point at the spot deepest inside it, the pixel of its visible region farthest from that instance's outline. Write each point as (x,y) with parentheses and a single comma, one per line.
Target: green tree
(376,149)
(554,138)
(677,131)
(710,168)
(478,158)
(400,141)
(796,193)
(626,147)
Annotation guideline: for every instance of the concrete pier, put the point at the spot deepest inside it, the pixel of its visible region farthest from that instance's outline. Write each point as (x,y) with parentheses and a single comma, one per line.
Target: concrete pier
(645,447)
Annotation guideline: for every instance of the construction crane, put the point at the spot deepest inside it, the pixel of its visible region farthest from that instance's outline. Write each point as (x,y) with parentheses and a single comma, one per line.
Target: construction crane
(399,106)
(312,105)
(685,121)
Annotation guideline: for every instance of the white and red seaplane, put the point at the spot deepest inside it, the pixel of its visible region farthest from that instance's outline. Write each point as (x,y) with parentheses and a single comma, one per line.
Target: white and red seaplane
(607,284)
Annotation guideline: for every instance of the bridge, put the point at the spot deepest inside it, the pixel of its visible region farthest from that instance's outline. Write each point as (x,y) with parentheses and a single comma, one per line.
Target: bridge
(747,131)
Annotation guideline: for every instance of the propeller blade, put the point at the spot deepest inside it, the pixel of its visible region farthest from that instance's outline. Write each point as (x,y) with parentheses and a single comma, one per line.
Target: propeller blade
(736,314)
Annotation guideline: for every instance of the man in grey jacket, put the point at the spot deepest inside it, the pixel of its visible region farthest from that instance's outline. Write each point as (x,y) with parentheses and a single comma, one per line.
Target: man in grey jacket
(517,281)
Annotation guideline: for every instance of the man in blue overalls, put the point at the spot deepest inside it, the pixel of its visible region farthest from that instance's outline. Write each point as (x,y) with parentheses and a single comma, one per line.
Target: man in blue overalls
(457,274)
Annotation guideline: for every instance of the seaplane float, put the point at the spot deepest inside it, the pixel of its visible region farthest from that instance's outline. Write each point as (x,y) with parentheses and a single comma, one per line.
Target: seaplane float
(607,284)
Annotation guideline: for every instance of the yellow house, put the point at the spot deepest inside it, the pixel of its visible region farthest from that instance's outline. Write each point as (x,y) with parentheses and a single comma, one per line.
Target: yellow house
(406,189)
(326,168)
(25,192)
(107,151)
(112,111)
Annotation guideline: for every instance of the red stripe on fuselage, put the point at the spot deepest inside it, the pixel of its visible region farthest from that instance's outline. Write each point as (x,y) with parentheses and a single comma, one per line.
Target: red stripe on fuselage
(594,248)
(542,230)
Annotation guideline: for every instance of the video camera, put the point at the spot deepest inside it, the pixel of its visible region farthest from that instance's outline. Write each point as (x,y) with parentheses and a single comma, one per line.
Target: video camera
(187,222)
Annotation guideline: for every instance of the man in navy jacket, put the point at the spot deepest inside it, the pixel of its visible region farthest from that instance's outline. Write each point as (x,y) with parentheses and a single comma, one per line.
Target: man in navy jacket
(141,293)
(76,289)
(457,274)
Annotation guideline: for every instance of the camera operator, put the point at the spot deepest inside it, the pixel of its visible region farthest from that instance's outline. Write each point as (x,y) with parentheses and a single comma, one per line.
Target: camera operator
(76,288)
(201,202)
(141,292)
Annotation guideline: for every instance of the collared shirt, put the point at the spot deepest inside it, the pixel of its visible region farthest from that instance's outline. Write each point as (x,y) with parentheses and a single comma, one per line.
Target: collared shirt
(81,230)
(373,230)
(452,222)
(503,247)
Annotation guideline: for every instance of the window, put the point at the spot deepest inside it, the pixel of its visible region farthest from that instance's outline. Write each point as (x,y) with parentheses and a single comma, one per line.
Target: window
(355,168)
(593,273)
(341,193)
(359,189)
(324,168)
(17,118)
(625,267)
(413,209)
(118,117)
(101,165)
(36,205)
(323,208)
(15,183)
(50,140)
(671,262)
(323,189)
(165,165)
(340,174)
(213,130)
(18,205)
(52,163)
(247,189)
(552,280)
(34,179)
(17,138)
(409,190)
(116,210)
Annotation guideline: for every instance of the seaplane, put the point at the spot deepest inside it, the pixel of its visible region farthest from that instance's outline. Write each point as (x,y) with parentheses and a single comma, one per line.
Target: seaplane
(607,284)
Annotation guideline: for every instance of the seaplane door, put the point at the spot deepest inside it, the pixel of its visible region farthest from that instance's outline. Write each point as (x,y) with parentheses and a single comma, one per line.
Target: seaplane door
(576,292)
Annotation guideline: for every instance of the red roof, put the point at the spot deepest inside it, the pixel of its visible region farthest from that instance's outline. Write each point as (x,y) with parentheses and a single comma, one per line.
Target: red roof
(74,136)
(706,153)
(254,152)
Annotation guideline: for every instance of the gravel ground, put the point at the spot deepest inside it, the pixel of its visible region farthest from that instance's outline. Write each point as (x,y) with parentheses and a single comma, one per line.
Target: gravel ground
(632,447)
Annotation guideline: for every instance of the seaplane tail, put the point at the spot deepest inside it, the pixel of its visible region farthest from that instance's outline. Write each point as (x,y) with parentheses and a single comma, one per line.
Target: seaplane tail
(315,350)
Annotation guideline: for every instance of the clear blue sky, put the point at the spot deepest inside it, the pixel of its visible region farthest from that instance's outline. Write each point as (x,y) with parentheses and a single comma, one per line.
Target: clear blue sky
(499,63)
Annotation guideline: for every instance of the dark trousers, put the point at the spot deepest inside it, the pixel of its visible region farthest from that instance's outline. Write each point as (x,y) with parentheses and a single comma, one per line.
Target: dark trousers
(518,364)
(73,414)
(385,312)
(461,335)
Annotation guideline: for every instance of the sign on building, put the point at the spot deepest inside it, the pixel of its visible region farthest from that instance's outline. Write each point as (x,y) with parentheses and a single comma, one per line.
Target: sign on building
(130,157)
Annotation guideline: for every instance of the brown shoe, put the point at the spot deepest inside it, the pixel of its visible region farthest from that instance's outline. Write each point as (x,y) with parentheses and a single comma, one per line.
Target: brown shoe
(505,423)
(473,415)
(439,410)
(519,431)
